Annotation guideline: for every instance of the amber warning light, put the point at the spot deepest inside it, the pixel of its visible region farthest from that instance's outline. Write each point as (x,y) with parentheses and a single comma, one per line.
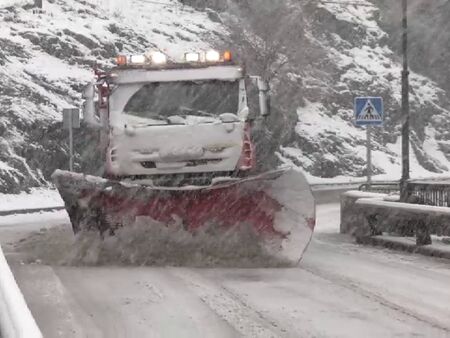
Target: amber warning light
(121,60)
(227,56)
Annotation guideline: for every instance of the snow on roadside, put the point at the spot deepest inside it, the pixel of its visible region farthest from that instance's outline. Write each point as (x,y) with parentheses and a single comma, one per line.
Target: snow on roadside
(35,221)
(9,3)
(37,198)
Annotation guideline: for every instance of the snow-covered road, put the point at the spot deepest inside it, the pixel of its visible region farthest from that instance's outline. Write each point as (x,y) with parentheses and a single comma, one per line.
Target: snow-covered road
(340,290)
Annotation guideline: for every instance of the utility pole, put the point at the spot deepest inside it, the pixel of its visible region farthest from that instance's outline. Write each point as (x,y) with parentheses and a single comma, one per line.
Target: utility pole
(405,106)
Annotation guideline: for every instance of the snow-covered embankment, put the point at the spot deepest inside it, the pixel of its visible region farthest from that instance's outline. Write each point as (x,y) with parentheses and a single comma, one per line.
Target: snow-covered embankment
(16,320)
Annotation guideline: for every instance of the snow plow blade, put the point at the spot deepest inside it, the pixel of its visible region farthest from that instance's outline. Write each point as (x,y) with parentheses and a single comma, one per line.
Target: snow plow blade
(278,206)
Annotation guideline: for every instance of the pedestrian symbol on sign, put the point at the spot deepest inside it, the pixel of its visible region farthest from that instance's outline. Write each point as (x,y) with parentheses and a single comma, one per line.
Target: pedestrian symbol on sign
(368,111)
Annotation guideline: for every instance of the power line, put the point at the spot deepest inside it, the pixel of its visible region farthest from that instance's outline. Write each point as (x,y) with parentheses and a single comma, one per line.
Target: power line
(337,2)
(181,3)
(346,2)
(164,3)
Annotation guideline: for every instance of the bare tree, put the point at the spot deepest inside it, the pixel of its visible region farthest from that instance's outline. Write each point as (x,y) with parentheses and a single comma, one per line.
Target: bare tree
(255,27)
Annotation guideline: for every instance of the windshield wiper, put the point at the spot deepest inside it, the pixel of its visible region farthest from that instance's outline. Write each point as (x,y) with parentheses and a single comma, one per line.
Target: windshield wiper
(196,111)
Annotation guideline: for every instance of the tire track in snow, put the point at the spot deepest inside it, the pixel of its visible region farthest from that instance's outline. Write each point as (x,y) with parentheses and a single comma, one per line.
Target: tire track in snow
(351,285)
(229,306)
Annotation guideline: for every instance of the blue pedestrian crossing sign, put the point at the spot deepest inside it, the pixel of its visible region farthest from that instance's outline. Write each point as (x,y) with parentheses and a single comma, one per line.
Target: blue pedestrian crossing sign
(369,111)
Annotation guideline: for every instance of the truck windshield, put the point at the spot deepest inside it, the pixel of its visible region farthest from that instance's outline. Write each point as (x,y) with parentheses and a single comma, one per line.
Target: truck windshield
(164,99)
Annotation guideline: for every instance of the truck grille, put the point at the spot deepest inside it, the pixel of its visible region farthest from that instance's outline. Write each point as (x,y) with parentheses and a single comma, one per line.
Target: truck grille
(191,163)
(149,165)
(179,180)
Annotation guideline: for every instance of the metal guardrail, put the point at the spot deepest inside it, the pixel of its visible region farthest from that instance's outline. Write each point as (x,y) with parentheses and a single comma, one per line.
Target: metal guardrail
(430,193)
(381,187)
(29,211)
(356,185)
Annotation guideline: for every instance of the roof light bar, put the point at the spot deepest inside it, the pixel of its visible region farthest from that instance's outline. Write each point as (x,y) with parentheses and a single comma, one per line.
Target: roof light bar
(158,58)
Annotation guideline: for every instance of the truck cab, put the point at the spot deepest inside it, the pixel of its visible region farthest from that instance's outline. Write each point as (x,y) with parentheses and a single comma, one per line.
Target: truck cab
(186,119)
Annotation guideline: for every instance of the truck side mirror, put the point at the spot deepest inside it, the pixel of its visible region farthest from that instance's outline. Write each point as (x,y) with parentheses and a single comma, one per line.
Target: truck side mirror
(89,110)
(264,97)
(258,87)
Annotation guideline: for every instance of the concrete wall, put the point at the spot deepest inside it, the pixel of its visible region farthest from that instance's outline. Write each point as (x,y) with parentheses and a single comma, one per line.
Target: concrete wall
(352,221)
(389,219)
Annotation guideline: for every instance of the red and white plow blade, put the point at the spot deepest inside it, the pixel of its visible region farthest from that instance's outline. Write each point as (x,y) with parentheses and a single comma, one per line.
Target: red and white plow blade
(278,207)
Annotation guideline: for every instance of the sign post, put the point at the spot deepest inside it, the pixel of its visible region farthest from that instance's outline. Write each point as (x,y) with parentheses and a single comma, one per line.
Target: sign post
(369,111)
(369,154)
(71,120)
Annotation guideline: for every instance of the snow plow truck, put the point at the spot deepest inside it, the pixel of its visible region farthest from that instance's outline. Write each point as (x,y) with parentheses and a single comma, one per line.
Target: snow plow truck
(178,148)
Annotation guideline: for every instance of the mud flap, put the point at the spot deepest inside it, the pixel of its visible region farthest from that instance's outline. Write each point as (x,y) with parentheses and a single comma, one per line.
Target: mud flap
(277,205)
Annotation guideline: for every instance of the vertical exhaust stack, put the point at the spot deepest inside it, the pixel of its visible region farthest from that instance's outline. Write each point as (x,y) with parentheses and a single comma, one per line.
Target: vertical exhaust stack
(89,112)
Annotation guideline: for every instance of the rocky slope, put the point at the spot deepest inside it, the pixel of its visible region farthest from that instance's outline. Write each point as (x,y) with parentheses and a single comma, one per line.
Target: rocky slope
(318,57)
(331,53)
(429,40)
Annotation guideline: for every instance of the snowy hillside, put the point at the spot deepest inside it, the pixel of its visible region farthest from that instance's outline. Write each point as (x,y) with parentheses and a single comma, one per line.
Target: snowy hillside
(9,3)
(46,58)
(326,54)
(340,52)
(318,56)
(360,63)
